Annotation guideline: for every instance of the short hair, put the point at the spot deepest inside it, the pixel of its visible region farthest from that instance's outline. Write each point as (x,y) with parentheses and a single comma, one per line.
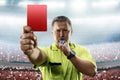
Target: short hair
(62,19)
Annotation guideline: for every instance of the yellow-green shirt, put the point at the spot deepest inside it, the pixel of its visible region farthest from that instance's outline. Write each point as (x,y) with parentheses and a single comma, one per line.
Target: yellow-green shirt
(58,67)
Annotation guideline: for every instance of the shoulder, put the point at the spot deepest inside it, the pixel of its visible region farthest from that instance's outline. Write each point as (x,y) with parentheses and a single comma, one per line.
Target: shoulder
(78,46)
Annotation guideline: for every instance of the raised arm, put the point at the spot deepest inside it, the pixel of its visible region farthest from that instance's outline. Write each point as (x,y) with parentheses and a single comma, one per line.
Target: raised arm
(28,43)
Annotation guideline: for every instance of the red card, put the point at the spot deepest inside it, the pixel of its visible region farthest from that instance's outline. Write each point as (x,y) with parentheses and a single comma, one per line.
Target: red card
(37,17)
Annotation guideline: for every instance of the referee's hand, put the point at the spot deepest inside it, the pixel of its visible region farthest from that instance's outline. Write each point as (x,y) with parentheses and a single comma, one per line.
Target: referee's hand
(28,40)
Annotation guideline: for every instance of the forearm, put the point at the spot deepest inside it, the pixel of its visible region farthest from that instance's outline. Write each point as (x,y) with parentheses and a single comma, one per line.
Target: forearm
(84,66)
(37,57)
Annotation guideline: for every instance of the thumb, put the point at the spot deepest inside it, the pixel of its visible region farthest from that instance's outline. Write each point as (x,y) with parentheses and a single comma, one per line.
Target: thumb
(35,41)
(27,29)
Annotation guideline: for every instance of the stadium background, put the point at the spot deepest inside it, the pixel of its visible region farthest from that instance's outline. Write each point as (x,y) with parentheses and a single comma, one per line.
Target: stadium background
(96,25)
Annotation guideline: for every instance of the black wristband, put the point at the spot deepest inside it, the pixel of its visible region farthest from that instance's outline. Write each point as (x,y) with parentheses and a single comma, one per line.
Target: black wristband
(72,54)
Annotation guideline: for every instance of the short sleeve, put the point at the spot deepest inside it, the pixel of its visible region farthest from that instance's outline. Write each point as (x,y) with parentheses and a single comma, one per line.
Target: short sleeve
(84,53)
(45,63)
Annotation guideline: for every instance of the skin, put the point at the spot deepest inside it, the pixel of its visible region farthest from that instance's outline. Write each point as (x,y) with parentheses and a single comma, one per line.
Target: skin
(62,30)
(28,42)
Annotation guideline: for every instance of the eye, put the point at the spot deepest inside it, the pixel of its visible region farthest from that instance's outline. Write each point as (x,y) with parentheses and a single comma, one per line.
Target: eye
(65,30)
(58,30)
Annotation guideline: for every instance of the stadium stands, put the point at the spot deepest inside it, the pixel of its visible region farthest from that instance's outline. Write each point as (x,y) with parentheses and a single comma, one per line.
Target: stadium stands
(14,65)
(100,52)
(10,73)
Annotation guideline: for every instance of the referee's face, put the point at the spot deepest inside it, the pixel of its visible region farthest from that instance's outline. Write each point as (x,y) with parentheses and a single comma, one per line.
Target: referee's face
(61,30)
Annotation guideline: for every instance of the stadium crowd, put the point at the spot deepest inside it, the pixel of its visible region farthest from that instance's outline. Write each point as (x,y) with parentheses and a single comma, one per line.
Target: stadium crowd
(22,74)
(105,51)
(9,73)
(101,52)
(113,74)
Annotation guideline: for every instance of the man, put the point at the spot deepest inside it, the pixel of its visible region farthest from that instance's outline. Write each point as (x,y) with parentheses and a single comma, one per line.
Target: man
(60,61)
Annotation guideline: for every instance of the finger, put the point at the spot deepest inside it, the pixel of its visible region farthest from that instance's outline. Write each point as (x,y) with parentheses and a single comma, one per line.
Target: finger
(24,48)
(26,41)
(27,36)
(60,46)
(35,37)
(32,39)
(27,29)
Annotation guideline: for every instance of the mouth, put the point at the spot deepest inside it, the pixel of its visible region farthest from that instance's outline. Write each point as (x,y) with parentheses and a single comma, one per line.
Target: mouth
(62,41)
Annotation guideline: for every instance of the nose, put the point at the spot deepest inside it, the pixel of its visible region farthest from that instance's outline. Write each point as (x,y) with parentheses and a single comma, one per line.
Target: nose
(61,33)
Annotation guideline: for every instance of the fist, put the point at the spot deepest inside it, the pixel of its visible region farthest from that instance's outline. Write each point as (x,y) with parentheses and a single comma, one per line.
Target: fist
(65,48)
(28,40)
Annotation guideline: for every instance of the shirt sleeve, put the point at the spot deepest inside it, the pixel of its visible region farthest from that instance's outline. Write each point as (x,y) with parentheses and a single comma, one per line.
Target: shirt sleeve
(84,53)
(45,63)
